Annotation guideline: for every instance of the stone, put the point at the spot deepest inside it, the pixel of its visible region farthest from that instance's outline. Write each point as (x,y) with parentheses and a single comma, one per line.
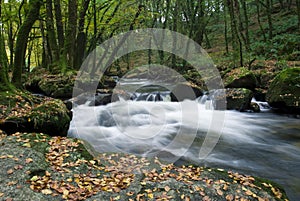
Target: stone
(236,99)
(185,91)
(284,91)
(240,78)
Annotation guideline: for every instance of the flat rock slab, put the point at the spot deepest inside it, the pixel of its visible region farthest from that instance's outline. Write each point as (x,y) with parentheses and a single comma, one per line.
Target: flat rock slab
(39,167)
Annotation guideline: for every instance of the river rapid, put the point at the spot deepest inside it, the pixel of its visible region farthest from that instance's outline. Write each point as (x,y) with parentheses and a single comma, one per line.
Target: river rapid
(262,144)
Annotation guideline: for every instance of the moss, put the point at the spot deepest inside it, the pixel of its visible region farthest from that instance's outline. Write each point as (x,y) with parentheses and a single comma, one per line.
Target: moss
(23,112)
(270,186)
(37,141)
(240,78)
(285,89)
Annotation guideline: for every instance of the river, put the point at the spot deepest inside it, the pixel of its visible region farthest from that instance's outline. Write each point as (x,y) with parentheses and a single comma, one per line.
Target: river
(262,144)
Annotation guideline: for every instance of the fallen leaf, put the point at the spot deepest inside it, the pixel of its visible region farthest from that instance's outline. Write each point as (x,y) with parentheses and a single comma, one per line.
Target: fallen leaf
(1,194)
(10,171)
(46,191)
(28,160)
(27,145)
(229,197)
(167,188)
(220,192)
(34,178)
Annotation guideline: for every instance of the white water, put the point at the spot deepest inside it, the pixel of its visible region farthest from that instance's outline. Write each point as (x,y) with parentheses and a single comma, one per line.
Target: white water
(263,144)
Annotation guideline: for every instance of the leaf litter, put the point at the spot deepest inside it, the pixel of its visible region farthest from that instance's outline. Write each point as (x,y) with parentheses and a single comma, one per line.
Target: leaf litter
(73,177)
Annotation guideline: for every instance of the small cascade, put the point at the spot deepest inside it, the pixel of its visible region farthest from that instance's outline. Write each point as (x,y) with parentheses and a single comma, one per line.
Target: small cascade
(206,102)
(263,106)
(151,97)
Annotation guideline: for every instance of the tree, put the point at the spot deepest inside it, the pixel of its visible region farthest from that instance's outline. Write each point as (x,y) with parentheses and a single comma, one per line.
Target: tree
(70,42)
(298,13)
(22,38)
(51,38)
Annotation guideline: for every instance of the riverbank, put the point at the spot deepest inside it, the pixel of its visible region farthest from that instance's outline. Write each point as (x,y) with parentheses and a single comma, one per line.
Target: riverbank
(54,168)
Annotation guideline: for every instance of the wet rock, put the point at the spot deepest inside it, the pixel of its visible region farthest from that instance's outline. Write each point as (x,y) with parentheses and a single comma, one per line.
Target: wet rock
(284,91)
(185,91)
(254,107)
(102,99)
(236,99)
(240,78)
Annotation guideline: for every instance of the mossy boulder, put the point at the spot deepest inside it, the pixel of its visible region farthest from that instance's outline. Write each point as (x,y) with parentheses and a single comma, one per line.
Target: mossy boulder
(284,91)
(28,113)
(240,78)
(53,85)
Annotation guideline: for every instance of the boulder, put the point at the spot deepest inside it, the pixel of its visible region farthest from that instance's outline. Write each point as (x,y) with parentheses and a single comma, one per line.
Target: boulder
(38,167)
(185,91)
(53,85)
(240,78)
(236,99)
(36,114)
(102,99)
(284,91)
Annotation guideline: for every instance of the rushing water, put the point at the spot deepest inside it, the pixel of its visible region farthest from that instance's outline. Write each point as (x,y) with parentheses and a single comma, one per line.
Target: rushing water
(262,144)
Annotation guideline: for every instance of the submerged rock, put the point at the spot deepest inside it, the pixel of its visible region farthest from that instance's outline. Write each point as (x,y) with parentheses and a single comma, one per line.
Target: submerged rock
(284,91)
(37,167)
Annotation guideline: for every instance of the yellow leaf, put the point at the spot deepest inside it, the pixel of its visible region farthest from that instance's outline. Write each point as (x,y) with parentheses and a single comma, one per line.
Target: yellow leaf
(1,194)
(27,145)
(150,195)
(65,192)
(46,191)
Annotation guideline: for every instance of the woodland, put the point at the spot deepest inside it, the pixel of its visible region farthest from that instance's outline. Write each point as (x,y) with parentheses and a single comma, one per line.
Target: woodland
(255,47)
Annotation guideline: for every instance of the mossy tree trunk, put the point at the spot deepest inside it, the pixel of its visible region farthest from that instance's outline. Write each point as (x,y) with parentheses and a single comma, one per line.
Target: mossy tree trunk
(52,44)
(4,81)
(59,25)
(70,42)
(298,12)
(22,39)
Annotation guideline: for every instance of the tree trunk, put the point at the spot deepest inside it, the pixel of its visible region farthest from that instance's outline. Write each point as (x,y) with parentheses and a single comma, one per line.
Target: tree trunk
(52,44)
(236,41)
(4,81)
(258,20)
(174,43)
(22,37)
(245,12)
(69,50)
(298,12)
(269,15)
(81,37)
(59,25)
(226,28)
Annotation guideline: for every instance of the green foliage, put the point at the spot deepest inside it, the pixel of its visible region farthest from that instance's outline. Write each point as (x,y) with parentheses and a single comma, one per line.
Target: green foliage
(280,47)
